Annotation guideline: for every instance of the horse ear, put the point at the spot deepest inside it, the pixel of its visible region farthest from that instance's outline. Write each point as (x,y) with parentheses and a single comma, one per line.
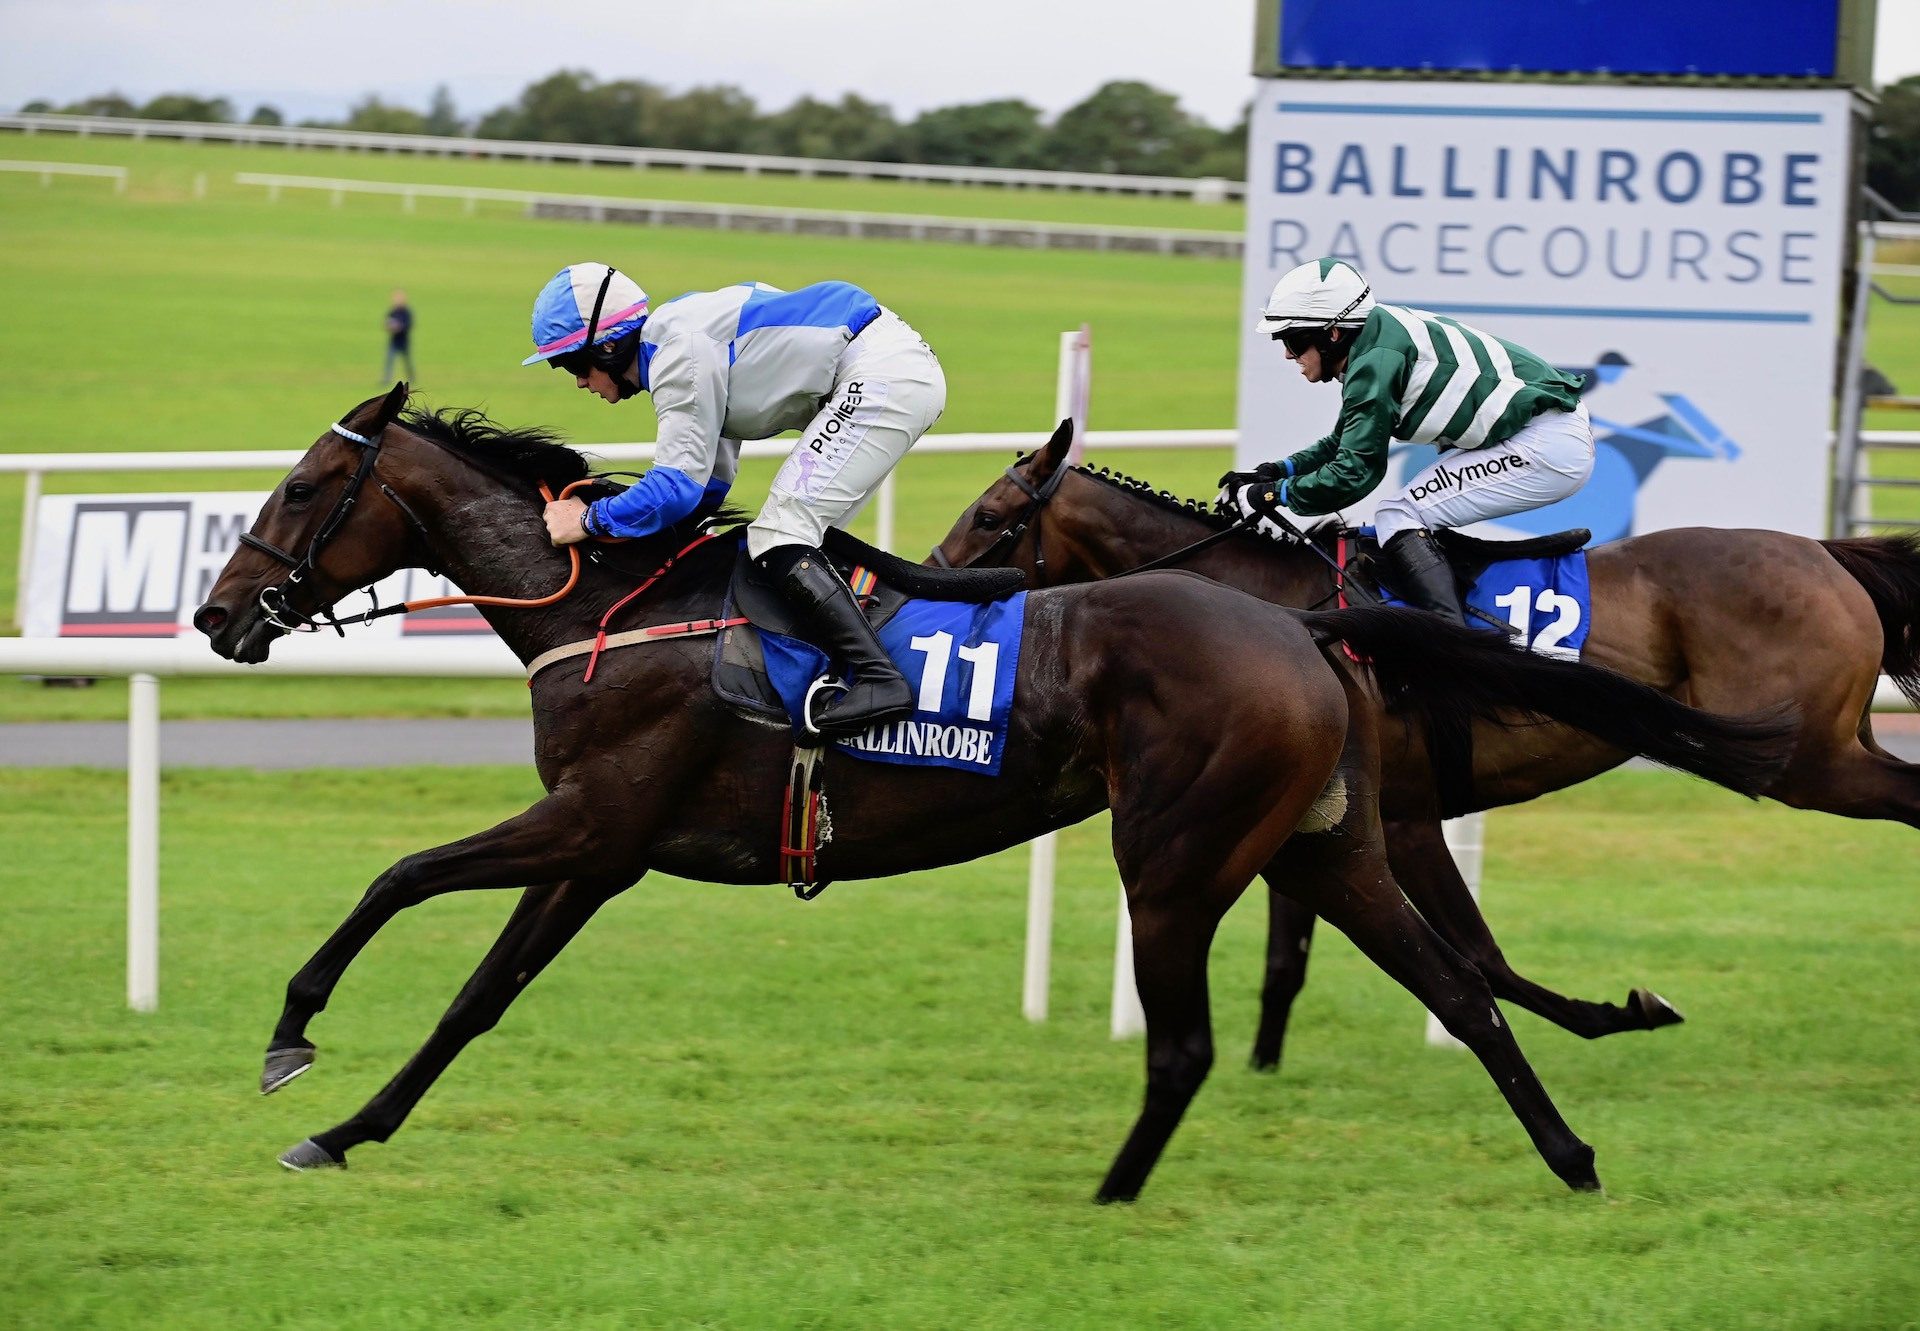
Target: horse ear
(390,408)
(1062,441)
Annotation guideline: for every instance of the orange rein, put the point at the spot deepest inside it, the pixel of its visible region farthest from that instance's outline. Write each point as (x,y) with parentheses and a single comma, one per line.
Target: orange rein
(573,579)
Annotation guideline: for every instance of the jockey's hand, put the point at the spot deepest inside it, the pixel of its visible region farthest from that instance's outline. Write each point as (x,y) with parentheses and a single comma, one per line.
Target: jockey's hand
(1264,474)
(1259,501)
(566,521)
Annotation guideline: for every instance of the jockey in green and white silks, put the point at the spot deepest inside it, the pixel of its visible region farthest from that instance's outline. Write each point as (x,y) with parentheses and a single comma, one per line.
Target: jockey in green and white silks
(748,362)
(1512,432)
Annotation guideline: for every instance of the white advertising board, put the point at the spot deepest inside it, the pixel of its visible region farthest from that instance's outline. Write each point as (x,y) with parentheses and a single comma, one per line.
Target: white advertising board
(1681,246)
(139,565)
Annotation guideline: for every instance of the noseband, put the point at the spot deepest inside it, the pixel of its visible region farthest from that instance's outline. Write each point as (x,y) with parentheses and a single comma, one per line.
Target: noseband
(279,611)
(1037,499)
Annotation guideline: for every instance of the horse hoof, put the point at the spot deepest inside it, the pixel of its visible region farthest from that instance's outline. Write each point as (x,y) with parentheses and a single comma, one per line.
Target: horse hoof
(1577,1172)
(1260,1062)
(1654,1010)
(283,1065)
(310,1154)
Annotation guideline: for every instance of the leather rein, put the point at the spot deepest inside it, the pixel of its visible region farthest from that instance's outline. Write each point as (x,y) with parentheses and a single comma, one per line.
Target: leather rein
(282,614)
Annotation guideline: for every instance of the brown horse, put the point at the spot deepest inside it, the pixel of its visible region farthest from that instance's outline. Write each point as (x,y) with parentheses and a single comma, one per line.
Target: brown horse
(1731,621)
(1212,726)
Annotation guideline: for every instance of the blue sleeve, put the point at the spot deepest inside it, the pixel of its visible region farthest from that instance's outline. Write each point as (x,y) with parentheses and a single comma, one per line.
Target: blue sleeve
(661,498)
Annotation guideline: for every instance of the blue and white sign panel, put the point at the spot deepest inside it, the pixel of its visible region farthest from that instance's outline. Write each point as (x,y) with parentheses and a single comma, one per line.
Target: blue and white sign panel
(1680,246)
(139,565)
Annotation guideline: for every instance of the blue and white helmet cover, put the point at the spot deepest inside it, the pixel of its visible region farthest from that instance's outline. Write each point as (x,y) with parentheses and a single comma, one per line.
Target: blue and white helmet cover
(561,311)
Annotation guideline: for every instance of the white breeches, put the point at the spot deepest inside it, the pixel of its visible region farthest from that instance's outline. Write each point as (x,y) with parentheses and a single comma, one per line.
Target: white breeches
(888,390)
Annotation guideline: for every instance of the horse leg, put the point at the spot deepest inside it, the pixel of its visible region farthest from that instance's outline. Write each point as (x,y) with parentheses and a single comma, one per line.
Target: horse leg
(1289,936)
(543,922)
(546,843)
(1347,880)
(1170,941)
(1417,852)
(1855,778)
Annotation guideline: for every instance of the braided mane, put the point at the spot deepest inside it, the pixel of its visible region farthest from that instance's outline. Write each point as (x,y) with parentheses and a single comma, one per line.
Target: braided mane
(1320,530)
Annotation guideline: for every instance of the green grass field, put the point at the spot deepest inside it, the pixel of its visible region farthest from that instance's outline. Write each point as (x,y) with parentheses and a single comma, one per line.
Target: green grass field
(725,1109)
(849,1124)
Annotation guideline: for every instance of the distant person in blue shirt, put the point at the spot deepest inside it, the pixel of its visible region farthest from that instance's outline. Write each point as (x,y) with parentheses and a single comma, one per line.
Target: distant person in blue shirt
(748,362)
(399,336)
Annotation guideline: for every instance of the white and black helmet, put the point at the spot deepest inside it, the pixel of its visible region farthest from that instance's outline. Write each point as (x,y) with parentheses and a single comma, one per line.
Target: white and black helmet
(1321,294)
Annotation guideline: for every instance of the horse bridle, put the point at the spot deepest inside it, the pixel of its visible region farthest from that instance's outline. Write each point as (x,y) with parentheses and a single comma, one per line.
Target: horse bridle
(1037,499)
(279,611)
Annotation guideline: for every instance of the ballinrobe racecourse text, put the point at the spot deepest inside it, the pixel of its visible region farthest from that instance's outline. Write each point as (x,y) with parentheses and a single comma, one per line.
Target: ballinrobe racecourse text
(1583,177)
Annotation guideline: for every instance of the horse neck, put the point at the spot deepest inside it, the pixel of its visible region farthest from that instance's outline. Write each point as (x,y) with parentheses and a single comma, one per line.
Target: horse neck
(1125,530)
(489,538)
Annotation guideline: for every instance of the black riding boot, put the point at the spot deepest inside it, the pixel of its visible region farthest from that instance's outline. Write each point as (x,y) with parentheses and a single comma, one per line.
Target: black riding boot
(833,623)
(1422,575)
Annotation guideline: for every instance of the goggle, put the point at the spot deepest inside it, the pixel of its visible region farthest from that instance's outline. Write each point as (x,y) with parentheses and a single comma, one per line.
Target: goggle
(580,363)
(1297,341)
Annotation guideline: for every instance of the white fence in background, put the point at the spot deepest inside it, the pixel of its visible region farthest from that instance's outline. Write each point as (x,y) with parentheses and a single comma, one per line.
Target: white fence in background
(1005,232)
(1207,189)
(48,170)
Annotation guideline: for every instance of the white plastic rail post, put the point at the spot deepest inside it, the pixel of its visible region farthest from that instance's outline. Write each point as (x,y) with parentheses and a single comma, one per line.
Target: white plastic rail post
(1466,842)
(1033,991)
(1069,399)
(143,842)
(29,519)
(1129,1019)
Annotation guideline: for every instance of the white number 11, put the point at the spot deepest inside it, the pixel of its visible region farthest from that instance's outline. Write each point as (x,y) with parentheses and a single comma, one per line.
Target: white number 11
(938,649)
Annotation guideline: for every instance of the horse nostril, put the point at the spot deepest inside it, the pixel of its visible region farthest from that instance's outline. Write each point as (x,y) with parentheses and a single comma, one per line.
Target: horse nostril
(210,619)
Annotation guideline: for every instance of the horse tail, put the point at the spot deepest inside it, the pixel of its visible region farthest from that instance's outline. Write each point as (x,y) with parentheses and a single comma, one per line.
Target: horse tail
(1445,676)
(1888,568)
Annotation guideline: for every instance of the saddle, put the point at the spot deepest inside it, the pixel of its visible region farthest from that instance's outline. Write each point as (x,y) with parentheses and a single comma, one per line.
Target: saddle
(1450,739)
(1470,556)
(881,582)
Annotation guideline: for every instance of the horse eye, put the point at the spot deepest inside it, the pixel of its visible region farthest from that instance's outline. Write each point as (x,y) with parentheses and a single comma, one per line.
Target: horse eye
(986,520)
(299,492)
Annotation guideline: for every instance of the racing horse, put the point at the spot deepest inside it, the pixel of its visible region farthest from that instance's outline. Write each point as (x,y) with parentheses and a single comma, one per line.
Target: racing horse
(1212,726)
(1732,621)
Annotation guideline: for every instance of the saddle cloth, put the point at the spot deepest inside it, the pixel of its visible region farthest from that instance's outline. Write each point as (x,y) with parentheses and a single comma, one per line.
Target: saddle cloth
(1537,588)
(958,648)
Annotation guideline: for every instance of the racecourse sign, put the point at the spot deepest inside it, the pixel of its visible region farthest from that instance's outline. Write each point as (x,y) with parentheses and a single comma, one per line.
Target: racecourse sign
(139,565)
(1682,247)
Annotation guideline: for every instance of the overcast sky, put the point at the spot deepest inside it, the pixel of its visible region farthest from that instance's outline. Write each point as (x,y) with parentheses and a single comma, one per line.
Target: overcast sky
(319,57)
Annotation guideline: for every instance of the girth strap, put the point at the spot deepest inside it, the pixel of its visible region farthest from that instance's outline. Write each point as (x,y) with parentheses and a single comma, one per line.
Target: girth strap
(691,628)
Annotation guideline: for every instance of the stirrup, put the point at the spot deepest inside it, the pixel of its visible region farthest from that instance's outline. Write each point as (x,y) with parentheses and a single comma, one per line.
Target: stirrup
(814,690)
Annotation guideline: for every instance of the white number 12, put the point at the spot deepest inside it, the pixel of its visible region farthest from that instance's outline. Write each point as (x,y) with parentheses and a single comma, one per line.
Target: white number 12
(1520,603)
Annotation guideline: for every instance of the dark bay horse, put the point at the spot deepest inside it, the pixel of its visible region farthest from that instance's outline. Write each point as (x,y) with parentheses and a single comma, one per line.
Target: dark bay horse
(1213,727)
(1732,621)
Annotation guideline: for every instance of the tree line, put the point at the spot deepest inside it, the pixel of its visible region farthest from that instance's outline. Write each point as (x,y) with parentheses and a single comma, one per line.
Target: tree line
(1125,126)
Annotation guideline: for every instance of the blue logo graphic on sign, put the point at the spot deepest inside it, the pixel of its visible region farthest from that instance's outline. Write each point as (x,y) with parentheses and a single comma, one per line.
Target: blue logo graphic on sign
(1625,454)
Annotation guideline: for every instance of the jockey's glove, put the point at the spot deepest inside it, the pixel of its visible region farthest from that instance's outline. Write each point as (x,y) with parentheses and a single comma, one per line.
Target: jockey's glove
(1264,474)
(1261,500)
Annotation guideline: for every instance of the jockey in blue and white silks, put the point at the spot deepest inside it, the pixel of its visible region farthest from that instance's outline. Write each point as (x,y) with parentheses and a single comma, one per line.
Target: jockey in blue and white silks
(748,362)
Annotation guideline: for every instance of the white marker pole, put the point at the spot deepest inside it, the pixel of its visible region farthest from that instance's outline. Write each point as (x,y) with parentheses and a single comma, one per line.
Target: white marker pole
(1466,842)
(143,842)
(1069,399)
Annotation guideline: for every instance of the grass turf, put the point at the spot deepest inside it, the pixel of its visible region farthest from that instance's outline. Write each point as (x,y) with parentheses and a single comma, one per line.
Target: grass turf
(724,1109)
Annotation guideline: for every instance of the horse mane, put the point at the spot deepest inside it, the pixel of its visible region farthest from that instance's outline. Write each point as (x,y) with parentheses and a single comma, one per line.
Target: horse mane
(1321,530)
(530,454)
